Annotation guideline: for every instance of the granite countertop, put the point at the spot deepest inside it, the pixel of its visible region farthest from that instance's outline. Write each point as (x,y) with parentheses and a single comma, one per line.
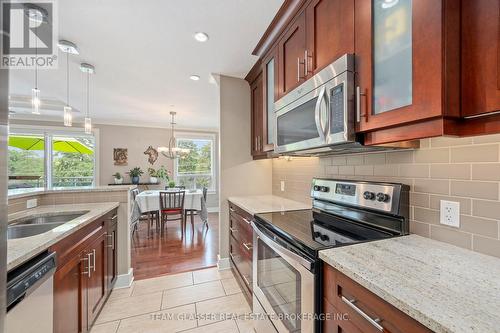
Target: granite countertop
(257,204)
(22,249)
(26,192)
(444,287)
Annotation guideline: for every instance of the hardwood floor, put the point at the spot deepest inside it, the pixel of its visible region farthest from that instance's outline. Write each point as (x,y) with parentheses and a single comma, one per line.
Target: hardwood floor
(154,255)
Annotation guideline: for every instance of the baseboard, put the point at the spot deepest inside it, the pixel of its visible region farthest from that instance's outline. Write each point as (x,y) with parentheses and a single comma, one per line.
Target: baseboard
(125,280)
(213,209)
(223,263)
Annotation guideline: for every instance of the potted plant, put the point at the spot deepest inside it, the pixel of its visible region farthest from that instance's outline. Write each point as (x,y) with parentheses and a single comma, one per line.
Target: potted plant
(153,176)
(118,178)
(163,174)
(135,175)
(171,184)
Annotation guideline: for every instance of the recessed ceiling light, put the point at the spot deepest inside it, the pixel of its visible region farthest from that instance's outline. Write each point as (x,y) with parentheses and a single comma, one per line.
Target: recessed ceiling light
(194,77)
(201,37)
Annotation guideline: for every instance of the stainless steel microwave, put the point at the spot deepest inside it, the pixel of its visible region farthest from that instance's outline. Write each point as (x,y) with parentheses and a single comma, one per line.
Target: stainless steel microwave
(319,114)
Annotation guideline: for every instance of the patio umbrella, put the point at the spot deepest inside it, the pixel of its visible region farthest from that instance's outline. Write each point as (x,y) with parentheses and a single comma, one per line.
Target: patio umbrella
(64,146)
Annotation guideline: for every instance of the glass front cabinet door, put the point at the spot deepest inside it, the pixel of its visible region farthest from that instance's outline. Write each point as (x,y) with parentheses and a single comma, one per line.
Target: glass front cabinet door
(270,69)
(398,47)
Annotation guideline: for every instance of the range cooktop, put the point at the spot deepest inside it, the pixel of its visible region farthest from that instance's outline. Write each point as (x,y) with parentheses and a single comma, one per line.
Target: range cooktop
(344,213)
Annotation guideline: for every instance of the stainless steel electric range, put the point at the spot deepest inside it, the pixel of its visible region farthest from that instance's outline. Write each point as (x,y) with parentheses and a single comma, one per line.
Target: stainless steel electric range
(286,267)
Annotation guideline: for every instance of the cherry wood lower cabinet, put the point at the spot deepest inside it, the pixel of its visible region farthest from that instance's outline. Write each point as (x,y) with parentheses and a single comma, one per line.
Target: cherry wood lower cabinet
(240,248)
(83,279)
(353,308)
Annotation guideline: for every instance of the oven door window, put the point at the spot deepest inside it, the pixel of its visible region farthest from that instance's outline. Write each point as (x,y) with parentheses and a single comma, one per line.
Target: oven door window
(281,285)
(298,124)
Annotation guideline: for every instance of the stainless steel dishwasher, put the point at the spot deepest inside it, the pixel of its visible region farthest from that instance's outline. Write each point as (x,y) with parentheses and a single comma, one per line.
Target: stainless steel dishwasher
(30,296)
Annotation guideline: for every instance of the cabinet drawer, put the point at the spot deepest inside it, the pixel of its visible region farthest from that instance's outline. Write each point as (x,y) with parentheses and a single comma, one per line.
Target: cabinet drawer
(234,209)
(240,229)
(337,321)
(242,260)
(363,307)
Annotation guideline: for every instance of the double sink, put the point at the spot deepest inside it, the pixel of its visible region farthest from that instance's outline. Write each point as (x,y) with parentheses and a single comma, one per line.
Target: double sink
(39,224)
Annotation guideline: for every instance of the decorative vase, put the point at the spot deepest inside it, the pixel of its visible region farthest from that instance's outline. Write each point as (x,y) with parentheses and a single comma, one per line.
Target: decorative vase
(153,180)
(118,180)
(135,180)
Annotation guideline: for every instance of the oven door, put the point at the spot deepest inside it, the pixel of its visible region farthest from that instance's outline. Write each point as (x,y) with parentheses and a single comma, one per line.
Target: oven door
(283,282)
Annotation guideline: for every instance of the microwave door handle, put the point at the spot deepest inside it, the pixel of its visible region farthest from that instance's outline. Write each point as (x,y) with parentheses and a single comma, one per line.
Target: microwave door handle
(317,115)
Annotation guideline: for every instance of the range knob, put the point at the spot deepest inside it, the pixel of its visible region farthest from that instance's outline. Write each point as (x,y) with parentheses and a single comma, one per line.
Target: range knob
(324,189)
(316,234)
(369,195)
(382,197)
(324,238)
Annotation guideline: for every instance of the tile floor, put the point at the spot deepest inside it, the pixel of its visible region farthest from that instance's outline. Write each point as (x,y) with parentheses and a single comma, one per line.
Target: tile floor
(191,302)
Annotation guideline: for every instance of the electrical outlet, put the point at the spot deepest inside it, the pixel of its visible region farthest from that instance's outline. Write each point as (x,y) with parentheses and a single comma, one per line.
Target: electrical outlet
(31,203)
(450,213)
(282,184)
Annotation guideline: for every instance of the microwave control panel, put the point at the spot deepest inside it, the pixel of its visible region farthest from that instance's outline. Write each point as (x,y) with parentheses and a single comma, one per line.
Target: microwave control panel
(337,109)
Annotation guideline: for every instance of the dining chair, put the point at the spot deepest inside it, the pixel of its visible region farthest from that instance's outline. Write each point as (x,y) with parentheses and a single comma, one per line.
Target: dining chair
(149,217)
(172,204)
(182,188)
(203,213)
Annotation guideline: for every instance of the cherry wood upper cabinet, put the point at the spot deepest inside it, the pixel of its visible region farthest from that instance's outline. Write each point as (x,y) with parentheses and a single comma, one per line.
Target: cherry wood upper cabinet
(291,53)
(404,72)
(330,32)
(257,113)
(480,57)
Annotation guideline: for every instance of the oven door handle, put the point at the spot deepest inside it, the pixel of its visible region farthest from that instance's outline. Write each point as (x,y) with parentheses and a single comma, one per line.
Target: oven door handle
(278,248)
(317,115)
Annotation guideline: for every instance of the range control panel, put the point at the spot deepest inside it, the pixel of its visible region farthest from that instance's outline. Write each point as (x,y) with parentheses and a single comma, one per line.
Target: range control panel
(384,197)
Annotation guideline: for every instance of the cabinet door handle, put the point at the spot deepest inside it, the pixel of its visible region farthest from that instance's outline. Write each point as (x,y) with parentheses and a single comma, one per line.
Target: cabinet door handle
(231,209)
(114,217)
(246,279)
(246,220)
(88,261)
(374,321)
(358,104)
(233,230)
(306,62)
(248,247)
(232,256)
(111,237)
(298,69)
(93,259)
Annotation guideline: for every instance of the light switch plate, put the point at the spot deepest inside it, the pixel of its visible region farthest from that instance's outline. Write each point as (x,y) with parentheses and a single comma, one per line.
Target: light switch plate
(32,203)
(282,186)
(450,213)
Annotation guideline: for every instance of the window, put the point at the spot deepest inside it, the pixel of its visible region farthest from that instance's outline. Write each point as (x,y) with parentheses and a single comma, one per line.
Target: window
(68,160)
(26,163)
(196,170)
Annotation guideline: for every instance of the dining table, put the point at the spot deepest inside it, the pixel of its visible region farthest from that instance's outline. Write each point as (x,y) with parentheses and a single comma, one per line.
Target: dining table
(149,201)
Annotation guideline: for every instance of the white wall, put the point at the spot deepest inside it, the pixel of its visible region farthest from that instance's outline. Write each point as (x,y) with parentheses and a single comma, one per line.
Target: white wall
(239,174)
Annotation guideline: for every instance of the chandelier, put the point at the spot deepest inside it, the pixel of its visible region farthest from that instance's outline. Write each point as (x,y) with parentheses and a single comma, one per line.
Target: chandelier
(172,151)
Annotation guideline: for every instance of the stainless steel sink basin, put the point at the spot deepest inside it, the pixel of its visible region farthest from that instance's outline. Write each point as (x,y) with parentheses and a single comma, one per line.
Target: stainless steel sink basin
(32,226)
(27,230)
(48,218)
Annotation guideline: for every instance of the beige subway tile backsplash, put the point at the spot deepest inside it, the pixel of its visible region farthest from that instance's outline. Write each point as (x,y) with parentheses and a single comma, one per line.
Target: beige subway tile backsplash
(483,190)
(466,170)
(451,171)
(475,153)
(487,171)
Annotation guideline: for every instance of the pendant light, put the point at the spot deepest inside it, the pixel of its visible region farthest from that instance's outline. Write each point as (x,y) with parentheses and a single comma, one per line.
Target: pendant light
(68,48)
(37,16)
(87,69)
(172,151)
